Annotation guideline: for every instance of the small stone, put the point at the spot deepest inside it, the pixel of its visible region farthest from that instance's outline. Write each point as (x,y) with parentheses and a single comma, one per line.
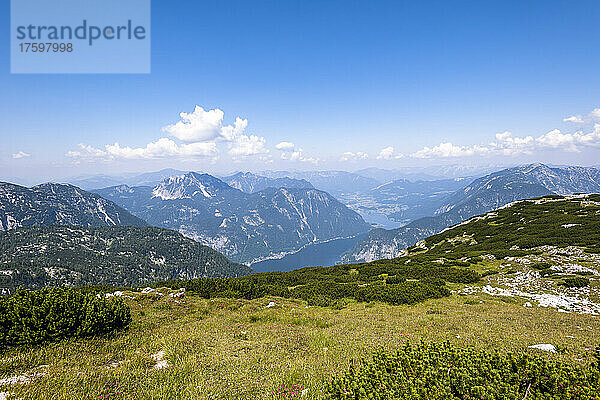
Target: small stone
(544,347)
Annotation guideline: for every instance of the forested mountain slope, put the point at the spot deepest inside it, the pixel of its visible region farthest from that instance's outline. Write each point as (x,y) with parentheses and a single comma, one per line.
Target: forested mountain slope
(120,256)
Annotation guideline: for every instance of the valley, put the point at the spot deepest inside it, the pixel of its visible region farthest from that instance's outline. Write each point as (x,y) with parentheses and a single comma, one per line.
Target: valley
(320,254)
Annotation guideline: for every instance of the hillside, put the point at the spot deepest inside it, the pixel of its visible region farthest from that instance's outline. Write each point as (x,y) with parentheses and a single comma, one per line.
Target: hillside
(482,195)
(58,204)
(545,250)
(557,221)
(118,256)
(246,227)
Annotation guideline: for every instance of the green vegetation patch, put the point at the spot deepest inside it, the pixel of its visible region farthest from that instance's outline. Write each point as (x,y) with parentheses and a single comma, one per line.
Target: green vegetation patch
(575,282)
(385,280)
(33,317)
(45,256)
(445,371)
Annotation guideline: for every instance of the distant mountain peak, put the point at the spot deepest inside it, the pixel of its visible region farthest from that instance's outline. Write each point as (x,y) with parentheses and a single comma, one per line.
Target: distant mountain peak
(188,185)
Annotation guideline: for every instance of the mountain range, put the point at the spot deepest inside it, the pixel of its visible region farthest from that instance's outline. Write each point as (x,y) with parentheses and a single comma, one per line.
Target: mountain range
(144,179)
(429,173)
(334,182)
(58,204)
(251,183)
(246,227)
(482,195)
(401,200)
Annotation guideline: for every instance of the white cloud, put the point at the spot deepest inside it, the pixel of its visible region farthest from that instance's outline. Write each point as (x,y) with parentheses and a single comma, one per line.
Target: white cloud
(199,132)
(229,132)
(20,154)
(298,155)
(577,119)
(245,146)
(160,148)
(203,126)
(444,150)
(573,142)
(285,146)
(289,152)
(350,156)
(593,116)
(387,153)
(506,144)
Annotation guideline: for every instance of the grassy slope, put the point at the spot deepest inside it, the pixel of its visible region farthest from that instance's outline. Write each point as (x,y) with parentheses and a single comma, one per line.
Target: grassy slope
(230,348)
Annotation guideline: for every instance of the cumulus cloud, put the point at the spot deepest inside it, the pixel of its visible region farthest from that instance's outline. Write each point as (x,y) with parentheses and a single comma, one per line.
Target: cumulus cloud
(160,148)
(445,150)
(351,156)
(573,142)
(506,144)
(593,116)
(202,126)
(298,155)
(245,146)
(197,133)
(578,119)
(20,154)
(387,153)
(285,146)
(289,152)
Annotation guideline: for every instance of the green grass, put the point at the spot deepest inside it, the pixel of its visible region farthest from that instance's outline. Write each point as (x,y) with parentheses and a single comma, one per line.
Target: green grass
(239,349)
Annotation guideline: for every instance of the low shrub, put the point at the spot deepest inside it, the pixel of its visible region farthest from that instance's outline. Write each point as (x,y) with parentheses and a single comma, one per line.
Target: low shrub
(445,371)
(541,265)
(394,280)
(32,317)
(575,282)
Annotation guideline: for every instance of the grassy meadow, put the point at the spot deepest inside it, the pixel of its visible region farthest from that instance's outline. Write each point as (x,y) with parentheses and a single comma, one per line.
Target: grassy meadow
(189,347)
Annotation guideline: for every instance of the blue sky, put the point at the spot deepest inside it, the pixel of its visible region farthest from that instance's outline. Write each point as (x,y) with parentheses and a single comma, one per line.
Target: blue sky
(342,84)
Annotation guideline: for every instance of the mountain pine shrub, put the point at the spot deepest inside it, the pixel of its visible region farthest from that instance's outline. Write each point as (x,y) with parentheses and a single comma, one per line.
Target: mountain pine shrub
(33,317)
(431,371)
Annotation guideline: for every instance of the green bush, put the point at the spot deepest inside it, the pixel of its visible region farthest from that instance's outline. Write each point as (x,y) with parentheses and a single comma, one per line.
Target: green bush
(541,265)
(576,282)
(403,293)
(382,280)
(394,280)
(445,371)
(33,317)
